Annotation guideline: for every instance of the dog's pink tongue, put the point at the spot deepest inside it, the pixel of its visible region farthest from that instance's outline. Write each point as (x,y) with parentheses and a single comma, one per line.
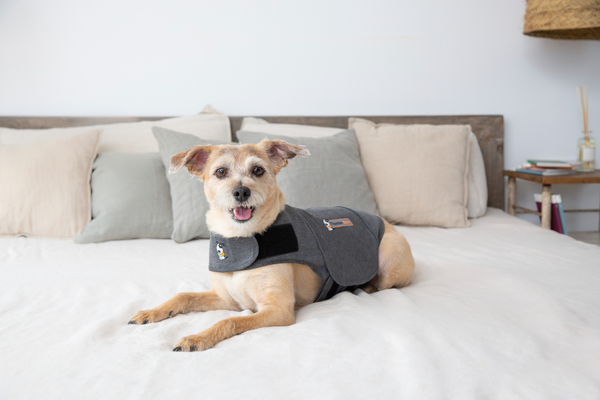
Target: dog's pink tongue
(242,213)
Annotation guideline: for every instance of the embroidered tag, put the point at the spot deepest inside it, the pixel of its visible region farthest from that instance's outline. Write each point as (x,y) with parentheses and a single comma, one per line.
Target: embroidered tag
(331,224)
(221,251)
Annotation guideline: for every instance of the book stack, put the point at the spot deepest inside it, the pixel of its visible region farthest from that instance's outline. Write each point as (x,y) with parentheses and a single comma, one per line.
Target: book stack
(557,214)
(547,167)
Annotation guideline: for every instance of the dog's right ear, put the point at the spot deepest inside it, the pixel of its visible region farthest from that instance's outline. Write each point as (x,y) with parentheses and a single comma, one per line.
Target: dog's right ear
(194,159)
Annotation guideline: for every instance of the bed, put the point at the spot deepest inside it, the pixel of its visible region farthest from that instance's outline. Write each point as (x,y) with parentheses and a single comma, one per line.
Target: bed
(500,310)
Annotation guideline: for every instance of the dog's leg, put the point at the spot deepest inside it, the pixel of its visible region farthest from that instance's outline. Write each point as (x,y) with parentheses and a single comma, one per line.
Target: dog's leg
(182,303)
(396,263)
(273,293)
(265,317)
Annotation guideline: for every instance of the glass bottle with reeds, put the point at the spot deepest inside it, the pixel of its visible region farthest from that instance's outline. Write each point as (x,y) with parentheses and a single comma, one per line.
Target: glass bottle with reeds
(586,146)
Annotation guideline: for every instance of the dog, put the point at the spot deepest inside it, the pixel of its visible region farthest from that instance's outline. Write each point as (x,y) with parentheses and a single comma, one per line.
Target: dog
(248,207)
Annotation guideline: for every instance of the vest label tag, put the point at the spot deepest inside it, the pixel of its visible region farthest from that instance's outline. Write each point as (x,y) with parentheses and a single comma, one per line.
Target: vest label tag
(331,224)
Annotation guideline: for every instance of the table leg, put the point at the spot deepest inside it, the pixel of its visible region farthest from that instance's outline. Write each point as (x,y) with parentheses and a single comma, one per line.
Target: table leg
(546,206)
(512,185)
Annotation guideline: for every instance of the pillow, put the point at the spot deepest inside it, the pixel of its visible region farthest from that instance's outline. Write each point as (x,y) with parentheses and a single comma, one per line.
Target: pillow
(260,125)
(189,204)
(331,176)
(418,173)
(130,199)
(478,194)
(45,187)
(132,137)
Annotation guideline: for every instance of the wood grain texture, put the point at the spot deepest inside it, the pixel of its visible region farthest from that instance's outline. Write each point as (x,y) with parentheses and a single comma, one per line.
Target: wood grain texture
(489,130)
(523,210)
(66,122)
(578,177)
(546,206)
(512,183)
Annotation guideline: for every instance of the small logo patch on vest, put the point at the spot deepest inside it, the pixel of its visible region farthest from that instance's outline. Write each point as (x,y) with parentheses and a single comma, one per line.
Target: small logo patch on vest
(331,224)
(221,251)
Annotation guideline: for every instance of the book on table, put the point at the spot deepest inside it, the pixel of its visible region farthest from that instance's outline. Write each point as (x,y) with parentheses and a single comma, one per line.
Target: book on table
(544,171)
(557,213)
(551,164)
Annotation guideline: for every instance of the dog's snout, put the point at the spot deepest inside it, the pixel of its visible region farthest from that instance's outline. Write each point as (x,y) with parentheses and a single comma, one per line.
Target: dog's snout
(241,193)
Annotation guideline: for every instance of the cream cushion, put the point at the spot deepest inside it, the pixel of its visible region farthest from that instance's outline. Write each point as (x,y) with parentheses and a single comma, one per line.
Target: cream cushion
(131,137)
(418,173)
(45,187)
(477,182)
(251,124)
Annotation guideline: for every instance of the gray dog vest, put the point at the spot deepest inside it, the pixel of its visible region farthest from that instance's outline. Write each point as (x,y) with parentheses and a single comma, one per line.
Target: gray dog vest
(340,244)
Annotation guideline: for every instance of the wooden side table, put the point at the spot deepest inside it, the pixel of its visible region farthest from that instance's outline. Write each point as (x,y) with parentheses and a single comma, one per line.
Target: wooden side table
(547,182)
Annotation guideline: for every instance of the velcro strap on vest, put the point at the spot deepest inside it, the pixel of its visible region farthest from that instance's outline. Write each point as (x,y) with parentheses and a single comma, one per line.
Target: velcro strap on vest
(277,240)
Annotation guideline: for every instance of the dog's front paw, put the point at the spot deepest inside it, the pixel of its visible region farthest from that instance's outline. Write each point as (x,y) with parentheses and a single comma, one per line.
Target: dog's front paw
(147,316)
(193,343)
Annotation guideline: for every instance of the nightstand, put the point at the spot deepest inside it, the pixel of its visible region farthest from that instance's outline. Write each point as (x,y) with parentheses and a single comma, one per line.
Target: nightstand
(547,182)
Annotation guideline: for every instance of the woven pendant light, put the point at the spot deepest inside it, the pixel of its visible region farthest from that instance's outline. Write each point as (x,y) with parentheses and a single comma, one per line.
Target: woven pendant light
(563,19)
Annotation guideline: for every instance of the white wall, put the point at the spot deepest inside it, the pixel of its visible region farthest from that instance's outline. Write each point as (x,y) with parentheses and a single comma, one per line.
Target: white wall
(128,57)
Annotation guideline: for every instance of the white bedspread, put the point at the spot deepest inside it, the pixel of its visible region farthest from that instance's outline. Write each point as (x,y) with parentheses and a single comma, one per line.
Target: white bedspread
(499,310)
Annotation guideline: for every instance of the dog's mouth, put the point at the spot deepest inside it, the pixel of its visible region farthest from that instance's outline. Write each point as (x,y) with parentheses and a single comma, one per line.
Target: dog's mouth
(242,214)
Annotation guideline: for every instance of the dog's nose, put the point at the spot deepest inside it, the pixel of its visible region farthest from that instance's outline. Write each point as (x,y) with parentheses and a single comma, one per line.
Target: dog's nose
(241,193)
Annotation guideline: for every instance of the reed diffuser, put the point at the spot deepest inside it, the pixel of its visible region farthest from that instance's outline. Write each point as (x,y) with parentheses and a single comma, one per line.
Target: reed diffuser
(586,146)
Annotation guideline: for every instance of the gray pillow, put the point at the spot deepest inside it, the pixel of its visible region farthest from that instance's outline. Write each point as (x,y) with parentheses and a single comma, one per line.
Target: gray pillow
(189,204)
(130,199)
(331,176)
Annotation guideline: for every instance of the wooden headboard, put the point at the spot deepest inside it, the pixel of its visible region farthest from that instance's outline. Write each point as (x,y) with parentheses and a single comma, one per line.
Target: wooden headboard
(489,130)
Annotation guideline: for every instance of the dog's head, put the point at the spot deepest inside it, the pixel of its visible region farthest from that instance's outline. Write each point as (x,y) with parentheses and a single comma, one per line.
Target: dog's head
(240,183)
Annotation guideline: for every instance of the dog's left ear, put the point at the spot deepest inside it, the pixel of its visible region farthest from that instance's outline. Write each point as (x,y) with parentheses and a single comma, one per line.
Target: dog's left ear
(280,152)
(194,159)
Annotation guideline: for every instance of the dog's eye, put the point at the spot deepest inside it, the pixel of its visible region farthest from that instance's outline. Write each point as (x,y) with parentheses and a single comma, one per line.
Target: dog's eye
(221,172)
(258,170)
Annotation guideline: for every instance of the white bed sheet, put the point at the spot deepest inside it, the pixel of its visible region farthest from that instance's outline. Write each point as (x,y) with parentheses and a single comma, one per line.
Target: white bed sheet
(499,310)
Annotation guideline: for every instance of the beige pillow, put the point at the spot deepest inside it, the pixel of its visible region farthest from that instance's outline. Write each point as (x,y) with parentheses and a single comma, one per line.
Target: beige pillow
(132,137)
(251,124)
(418,173)
(45,187)
(477,182)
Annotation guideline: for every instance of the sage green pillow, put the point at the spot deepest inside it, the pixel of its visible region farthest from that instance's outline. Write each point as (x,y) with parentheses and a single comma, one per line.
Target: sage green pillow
(331,176)
(189,204)
(130,199)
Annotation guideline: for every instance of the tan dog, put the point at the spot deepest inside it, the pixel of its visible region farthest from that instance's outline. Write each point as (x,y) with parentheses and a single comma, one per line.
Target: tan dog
(241,187)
